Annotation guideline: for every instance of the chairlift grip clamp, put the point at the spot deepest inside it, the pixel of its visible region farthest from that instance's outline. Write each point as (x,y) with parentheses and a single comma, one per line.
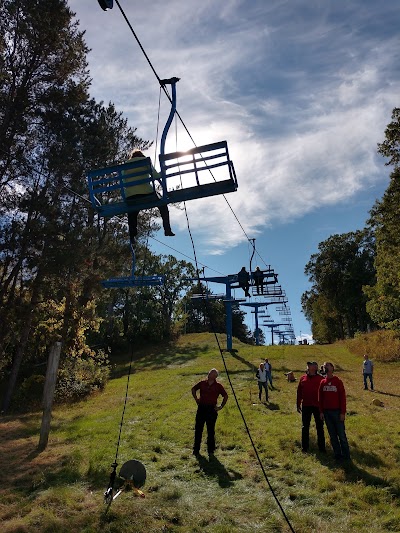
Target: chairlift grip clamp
(169,81)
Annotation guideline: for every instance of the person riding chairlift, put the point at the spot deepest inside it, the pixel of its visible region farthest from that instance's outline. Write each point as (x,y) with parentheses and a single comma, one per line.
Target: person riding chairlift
(143,191)
(244,280)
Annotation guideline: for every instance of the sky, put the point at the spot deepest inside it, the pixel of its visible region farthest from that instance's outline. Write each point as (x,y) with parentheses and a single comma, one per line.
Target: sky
(302,92)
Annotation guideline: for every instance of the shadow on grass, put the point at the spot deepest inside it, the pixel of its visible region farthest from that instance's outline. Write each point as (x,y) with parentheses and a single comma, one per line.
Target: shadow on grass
(28,469)
(155,357)
(23,426)
(355,474)
(276,370)
(366,458)
(215,469)
(272,406)
(244,361)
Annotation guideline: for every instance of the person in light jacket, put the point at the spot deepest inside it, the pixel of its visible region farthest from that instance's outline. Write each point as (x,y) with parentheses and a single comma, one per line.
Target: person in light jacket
(261,376)
(368,370)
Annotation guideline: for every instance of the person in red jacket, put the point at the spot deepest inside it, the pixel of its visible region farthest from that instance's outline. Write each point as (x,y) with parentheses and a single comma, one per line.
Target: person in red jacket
(308,406)
(207,409)
(332,406)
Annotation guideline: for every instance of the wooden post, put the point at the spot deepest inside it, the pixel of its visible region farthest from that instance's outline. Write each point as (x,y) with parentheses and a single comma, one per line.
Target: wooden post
(48,393)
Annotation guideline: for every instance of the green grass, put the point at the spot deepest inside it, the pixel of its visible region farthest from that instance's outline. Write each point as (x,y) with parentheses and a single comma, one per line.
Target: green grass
(62,488)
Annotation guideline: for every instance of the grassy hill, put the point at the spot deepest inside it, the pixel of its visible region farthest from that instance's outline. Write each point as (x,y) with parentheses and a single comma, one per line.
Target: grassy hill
(62,488)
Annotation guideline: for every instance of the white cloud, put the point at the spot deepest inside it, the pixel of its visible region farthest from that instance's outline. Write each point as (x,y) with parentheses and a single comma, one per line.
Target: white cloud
(301,93)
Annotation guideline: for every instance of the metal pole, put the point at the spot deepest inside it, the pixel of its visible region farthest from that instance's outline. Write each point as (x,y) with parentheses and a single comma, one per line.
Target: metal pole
(228,307)
(257,332)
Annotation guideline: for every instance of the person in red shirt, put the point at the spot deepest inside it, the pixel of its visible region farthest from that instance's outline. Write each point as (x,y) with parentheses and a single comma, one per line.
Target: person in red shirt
(308,406)
(332,406)
(207,409)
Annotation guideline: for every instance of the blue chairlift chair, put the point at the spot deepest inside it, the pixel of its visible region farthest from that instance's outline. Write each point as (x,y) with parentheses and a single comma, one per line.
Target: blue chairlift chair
(132,280)
(198,173)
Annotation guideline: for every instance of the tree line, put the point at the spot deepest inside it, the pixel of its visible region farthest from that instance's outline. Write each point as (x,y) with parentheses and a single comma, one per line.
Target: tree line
(54,249)
(355,282)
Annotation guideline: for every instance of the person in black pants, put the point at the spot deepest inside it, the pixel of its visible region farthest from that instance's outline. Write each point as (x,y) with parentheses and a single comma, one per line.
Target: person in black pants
(258,276)
(207,409)
(308,406)
(142,191)
(243,278)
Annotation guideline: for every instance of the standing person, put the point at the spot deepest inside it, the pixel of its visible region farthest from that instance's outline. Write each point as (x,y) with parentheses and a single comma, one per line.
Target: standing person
(244,280)
(261,376)
(268,369)
(332,406)
(142,191)
(207,409)
(368,370)
(258,277)
(308,406)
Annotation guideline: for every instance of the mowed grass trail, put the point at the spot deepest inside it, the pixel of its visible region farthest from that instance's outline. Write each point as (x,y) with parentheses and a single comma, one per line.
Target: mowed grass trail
(61,489)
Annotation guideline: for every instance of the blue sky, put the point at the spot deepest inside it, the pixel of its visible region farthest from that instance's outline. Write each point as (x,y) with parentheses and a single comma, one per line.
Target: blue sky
(301,90)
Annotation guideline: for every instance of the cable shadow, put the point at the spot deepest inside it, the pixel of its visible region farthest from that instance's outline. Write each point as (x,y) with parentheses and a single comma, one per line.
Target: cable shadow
(386,393)
(244,361)
(213,468)
(275,370)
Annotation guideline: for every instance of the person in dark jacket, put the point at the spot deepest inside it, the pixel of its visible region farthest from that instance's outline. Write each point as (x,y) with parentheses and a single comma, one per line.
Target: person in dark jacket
(308,406)
(332,406)
(244,280)
(207,409)
(258,277)
(268,369)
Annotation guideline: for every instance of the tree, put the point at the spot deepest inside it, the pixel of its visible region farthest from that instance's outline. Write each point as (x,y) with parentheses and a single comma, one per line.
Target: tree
(203,315)
(261,335)
(52,247)
(177,280)
(384,295)
(391,145)
(336,303)
(43,60)
(326,323)
(150,313)
(210,315)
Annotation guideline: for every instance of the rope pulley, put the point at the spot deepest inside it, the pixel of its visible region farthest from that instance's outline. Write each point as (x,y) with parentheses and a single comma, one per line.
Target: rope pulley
(133,473)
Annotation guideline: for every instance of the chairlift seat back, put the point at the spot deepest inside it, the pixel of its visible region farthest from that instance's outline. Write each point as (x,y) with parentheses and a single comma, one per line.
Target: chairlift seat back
(108,188)
(198,173)
(133,281)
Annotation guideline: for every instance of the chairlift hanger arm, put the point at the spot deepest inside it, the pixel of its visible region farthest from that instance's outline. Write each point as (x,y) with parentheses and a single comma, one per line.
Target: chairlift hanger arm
(253,243)
(171,81)
(106,4)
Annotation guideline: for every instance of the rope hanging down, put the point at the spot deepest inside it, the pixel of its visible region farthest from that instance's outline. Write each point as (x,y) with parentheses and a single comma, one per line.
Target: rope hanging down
(221,351)
(108,495)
